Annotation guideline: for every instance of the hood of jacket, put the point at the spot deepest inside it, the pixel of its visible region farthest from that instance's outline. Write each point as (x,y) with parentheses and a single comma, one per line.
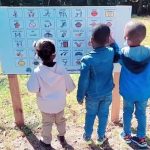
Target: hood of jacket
(135,66)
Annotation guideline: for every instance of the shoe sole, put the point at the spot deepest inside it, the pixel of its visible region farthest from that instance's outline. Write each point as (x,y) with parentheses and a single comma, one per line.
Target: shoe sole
(142,146)
(99,144)
(89,142)
(128,142)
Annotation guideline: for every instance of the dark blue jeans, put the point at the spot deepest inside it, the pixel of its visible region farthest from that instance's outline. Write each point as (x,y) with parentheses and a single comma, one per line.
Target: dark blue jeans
(99,108)
(140,113)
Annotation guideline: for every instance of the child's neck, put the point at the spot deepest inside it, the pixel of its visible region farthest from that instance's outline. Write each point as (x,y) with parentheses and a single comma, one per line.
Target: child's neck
(49,64)
(98,46)
(134,45)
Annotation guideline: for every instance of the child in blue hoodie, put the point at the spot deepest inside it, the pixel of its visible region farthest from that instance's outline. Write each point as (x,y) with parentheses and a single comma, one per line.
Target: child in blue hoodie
(135,81)
(96,82)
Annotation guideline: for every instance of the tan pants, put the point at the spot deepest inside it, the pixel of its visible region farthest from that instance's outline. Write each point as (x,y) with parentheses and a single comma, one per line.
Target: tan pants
(47,122)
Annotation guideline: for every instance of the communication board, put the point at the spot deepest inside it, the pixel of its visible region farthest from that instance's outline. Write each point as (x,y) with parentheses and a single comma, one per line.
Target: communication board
(69,27)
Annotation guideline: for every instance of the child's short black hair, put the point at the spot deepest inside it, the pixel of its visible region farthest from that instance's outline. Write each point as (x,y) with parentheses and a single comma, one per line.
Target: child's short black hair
(45,48)
(101,34)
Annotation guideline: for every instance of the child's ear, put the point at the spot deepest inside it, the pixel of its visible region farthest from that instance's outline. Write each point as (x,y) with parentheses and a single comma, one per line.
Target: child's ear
(125,34)
(52,57)
(92,40)
(107,40)
(125,37)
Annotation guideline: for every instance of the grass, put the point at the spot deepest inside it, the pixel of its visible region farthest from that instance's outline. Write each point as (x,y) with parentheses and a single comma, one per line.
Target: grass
(12,138)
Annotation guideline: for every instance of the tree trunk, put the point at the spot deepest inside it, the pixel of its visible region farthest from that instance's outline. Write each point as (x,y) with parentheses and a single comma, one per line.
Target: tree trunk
(79,2)
(139,12)
(92,2)
(51,2)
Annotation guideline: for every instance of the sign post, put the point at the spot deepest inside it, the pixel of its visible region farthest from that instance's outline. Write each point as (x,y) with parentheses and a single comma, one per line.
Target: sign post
(16,100)
(116,99)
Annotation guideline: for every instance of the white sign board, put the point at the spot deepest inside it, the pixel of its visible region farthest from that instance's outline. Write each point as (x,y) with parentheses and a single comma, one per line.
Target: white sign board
(69,27)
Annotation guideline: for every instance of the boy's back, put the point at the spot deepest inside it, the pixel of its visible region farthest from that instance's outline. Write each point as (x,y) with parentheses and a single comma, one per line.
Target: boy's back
(135,82)
(96,82)
(96,73)
(49,84)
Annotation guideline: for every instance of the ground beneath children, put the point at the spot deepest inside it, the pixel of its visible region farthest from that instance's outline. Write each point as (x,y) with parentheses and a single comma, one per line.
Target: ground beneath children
(28,140)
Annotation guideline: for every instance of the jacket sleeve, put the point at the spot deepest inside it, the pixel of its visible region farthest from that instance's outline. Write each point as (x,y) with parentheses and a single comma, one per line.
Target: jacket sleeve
(116,52)
(33,83)
(83,82)
(70,86)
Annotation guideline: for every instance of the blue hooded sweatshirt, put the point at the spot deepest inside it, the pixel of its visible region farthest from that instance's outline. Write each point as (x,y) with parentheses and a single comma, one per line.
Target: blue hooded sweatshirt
(135,73)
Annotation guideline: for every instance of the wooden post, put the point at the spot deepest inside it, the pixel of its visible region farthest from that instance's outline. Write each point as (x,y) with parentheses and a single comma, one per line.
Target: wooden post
(16,100)
(116,99)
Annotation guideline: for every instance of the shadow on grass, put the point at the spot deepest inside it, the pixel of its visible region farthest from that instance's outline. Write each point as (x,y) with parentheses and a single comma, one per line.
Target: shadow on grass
(34,141)
(104,146)
(119,124)
(69,147)
(148,141)
(2,128)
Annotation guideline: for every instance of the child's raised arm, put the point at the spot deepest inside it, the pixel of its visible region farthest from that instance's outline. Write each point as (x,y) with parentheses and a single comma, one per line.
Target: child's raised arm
(116,48)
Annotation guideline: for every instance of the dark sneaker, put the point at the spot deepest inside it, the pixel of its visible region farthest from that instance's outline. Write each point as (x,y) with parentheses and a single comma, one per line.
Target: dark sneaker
(87,140)
(46,145)
(101,141)
(62,141)
(141,142)
(126,137)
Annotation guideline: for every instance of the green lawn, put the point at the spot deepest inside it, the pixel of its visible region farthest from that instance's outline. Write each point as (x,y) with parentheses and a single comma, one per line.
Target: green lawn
(11,138)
